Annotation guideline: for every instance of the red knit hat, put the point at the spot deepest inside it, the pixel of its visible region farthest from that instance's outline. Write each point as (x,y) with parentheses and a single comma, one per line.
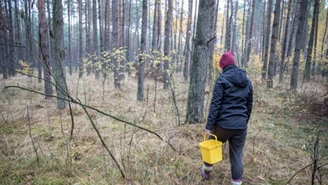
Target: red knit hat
(227,59)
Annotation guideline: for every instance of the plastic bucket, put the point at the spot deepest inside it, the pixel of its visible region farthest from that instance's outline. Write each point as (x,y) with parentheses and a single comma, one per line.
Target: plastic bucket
(211,150)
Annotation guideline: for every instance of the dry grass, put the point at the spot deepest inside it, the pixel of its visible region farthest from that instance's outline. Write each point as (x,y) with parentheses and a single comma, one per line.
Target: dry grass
(273,151)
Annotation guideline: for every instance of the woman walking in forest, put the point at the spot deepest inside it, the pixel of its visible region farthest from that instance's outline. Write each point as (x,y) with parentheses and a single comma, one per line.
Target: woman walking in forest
(229,114)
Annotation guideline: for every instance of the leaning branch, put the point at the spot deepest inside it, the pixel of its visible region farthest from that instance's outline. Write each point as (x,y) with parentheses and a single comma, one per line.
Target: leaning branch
(95,109)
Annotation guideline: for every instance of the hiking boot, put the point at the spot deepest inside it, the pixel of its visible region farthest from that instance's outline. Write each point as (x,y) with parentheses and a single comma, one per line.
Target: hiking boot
(206,172)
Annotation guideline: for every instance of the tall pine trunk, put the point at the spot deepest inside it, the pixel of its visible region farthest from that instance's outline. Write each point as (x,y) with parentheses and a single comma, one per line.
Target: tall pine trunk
(274,39)
(44,46)
(59,68)
(201,53)
(12,55)
(142,59)
(267,40)
(307,71)
(299,44)
(80,39)
(284,45)
(115,42)
(188,44)
(3,46)
(95,45)
(69,37)
(88,34)
(167,49)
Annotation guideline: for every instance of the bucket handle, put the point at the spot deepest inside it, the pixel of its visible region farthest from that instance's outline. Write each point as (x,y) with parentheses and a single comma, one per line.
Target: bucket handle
(216,139)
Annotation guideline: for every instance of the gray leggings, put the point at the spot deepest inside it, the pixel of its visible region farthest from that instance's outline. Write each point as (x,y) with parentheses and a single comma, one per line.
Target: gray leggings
(236,140)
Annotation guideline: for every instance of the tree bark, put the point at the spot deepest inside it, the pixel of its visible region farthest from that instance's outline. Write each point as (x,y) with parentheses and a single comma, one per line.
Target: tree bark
(307,71)
(115,41)
(249,41)
(267,40)
(12,54)
(142,58)
(195,104)
(228,26)
(299,44)
(284,45)
(323,64)
(314,63)
(80,39)
(59,69)
(234,29)
(69,37)
(107,26)
(188,45)
(88,34)
(167,49)
(274,39)
(3,45)
(95,45)
(294,28)
(179,52)
(44,46)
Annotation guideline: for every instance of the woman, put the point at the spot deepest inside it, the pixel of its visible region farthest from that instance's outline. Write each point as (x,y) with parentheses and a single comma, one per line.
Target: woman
(229,114)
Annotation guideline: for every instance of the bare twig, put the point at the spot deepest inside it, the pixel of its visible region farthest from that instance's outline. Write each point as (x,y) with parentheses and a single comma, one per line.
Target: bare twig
(299,172)
(65,140)
(72,118)
(172,88)
(30,134)
(4,119)
(103,142)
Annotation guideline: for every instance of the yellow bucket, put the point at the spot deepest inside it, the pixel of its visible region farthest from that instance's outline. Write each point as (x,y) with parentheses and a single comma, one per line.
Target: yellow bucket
(211,150)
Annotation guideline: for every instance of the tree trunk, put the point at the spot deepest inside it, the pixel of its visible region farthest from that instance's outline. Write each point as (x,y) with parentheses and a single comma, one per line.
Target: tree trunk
(243,33)
(115,42)
(121,38)
(44,46)
(168,28)
(69,56)
(100,28)
(88,34)
(142,59)
(299,44)
(3,46)
(179,53)
(284,45)
(12,55)
(59,69)
(95,45)
(212,43)
(274,39)
(227,32)
(234,29)
(294,28)
(314,63)
(267,40)
(263,31)
(195,105)
(80,39)
(18,29)
(323,64)
(107,26)
(307,71)
(187,47)
(249,41)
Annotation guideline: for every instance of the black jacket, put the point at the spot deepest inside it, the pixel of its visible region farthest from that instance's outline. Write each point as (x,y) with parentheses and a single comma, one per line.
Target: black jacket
(232,100)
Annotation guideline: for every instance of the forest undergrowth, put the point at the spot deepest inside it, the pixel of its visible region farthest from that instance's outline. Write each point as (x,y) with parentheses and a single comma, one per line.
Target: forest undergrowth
(286,136)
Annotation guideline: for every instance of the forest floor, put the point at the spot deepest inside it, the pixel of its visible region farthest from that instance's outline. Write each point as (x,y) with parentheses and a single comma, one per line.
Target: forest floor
(279,147)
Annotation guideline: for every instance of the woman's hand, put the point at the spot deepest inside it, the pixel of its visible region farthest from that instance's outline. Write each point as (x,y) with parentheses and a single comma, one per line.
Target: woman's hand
(208,132)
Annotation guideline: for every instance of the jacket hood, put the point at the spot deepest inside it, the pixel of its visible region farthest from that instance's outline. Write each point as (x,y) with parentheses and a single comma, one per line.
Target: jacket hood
(235,76)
